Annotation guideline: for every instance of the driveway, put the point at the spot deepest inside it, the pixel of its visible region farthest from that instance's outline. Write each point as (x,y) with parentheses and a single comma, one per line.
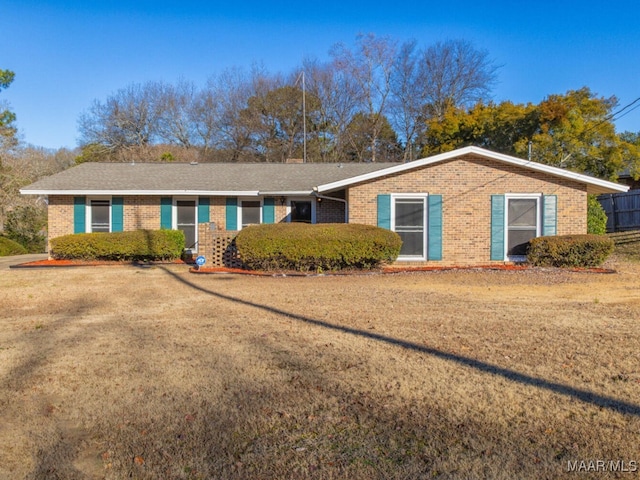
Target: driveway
(7,262)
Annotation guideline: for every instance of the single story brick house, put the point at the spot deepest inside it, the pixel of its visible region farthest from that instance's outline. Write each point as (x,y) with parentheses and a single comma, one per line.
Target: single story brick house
(470,206)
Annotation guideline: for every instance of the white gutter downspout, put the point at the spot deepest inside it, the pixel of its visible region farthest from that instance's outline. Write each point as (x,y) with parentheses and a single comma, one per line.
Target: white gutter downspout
(346,204)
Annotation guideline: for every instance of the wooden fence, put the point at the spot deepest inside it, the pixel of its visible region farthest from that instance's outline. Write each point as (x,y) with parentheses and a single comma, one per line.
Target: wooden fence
(622,209)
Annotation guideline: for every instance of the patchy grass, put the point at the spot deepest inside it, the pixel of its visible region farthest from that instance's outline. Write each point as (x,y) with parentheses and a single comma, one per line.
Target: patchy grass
(627,245)
(132,372)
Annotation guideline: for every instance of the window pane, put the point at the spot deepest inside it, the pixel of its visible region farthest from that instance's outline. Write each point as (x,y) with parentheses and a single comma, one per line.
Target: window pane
(189,235)
(412,243)
(301,212)
(186,221)
(522,212)
(523,222)
(518,241)
(99,215)
(409,212)
(186,212)
(409,224)
(250,213)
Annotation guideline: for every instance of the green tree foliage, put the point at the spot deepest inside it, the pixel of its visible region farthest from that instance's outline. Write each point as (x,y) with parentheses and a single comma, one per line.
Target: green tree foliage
(7,117)
(278,123)
(9,247)
(500,127)
(360,141)
(27,225)
(93,152)
(596,216)
(573,131)
(633,139)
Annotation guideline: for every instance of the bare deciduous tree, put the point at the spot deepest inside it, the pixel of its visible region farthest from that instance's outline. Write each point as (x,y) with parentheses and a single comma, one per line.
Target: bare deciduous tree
(455,74)
(257,116)
(128,118)
(370,65)
(407,103)
(174,112)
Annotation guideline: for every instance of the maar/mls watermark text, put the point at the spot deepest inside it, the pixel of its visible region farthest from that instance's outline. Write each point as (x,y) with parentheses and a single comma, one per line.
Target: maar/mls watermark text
(619,466)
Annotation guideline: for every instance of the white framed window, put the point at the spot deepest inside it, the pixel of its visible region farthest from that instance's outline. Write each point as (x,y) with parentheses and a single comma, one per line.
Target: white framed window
(409,220)
(301,210)
(98,214)
(185,218)
(522,223)
(249,212)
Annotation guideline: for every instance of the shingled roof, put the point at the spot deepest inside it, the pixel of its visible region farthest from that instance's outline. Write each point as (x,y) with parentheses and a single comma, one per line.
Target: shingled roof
(263,178)
(197,179)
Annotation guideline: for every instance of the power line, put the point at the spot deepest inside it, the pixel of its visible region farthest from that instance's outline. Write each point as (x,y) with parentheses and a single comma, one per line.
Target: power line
(627,113)
(612,116)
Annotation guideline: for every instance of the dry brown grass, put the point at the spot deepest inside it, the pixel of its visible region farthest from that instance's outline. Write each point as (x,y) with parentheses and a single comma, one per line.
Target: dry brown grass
(125,372)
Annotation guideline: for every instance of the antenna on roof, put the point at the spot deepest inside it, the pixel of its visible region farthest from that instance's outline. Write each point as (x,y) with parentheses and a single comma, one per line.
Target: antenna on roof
(304,118)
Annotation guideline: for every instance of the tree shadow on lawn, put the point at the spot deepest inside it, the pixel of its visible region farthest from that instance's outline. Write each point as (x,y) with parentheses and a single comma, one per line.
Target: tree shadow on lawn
(586,396)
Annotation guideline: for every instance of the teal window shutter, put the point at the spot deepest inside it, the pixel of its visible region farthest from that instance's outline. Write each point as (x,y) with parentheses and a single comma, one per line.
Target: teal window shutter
(79,215)
(434,239)
(268,210)
(166,213)
(117,214)
(497,227)
(549,215)
(384,211)
(203,209)
(231,213)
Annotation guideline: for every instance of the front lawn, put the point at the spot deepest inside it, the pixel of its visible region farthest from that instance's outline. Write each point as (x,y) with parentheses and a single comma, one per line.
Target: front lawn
(152,372)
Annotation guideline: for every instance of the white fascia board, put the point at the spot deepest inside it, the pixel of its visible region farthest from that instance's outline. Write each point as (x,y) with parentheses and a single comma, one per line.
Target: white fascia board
(598,185)
(225,193)
(289,193)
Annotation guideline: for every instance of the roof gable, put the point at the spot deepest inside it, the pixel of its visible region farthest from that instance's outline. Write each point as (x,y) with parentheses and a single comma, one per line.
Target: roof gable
(594,185)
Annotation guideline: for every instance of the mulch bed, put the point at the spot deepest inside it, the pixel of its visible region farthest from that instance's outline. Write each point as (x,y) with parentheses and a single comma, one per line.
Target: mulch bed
(225,270)
(90,263)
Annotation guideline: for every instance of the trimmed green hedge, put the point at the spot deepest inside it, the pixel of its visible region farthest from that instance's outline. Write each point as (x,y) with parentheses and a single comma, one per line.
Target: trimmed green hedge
(304,247)
(9,247)
(570,250)
(142,245)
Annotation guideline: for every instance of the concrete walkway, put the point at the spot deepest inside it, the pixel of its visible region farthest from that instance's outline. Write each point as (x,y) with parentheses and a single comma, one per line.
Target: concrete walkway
(7,262)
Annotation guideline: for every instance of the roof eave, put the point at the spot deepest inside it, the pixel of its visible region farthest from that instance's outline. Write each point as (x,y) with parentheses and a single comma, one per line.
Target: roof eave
(212,193)
(287,193)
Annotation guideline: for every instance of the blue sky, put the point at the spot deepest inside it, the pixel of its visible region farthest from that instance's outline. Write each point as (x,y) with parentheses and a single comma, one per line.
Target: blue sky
(66,54)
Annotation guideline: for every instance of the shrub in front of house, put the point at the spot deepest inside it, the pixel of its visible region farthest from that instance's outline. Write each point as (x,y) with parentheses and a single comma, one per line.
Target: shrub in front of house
(596,216)
(139,245)
(304,247)
(570,250)
(10,247)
